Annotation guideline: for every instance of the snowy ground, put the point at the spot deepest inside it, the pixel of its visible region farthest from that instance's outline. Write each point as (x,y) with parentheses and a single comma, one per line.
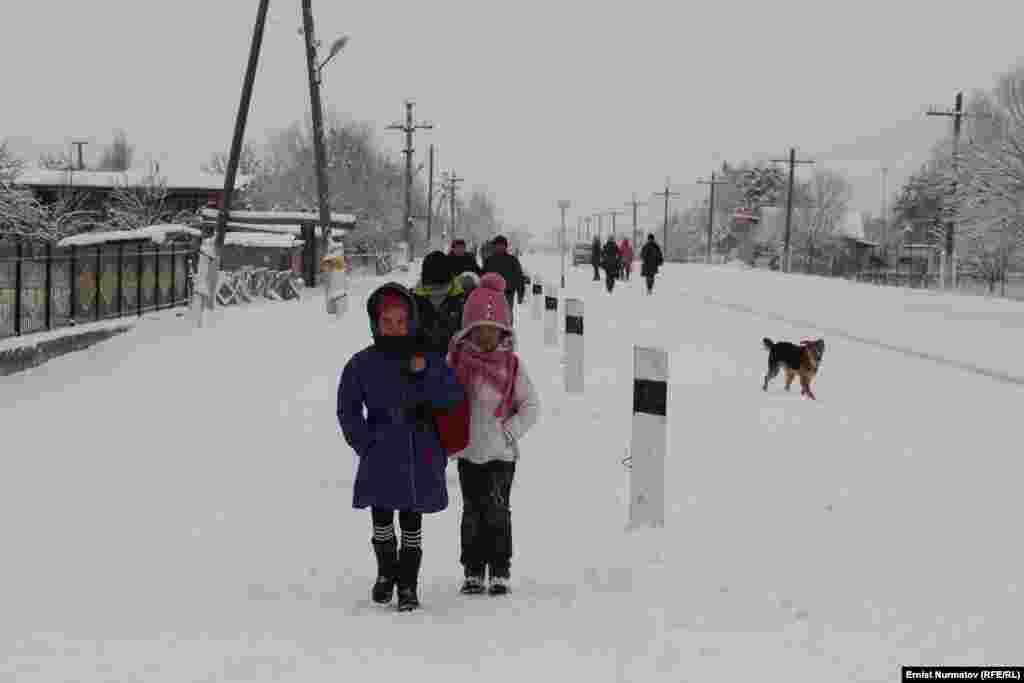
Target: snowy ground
(175,504)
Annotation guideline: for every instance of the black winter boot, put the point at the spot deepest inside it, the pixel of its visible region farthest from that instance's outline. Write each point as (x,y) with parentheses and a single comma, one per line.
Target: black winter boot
(408,576)
(387,570)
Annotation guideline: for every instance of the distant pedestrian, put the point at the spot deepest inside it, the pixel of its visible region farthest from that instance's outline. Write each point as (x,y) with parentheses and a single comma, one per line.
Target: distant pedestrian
(611,260)
(652,258)
(626,249)
(439,300)
(511,270)
(462,260)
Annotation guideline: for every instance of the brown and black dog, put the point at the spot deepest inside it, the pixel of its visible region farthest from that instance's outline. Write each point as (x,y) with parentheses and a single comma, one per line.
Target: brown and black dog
(803,360)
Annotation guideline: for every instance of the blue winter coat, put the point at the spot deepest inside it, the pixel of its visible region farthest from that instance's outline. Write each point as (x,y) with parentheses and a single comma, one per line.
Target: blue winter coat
(401,461)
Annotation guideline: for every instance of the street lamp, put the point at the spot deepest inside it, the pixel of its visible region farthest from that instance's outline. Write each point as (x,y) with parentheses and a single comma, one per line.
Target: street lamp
(563,204)
(336,47)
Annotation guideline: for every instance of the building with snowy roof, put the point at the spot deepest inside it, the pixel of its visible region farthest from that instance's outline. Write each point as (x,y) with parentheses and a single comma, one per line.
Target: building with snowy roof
(186,190)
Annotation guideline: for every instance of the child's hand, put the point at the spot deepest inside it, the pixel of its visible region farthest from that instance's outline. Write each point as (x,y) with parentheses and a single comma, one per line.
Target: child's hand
(419,362)
(509,439)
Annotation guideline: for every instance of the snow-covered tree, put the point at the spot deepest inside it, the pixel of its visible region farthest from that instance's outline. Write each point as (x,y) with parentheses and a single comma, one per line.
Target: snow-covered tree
(117,156)
(989,179)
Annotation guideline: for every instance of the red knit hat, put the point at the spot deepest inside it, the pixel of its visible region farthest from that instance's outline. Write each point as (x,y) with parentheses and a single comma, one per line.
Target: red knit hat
(390,300)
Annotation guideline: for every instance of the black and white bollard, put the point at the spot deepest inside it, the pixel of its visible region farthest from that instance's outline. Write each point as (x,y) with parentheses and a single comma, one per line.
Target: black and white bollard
(538,298)
(550,316)
(573,369)
(648,443)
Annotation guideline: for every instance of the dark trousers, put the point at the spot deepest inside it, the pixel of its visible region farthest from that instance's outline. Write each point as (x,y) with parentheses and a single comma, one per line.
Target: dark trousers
(597,273)
(410,522)
(609,280)
(510,297)
(650,283)
(486,516)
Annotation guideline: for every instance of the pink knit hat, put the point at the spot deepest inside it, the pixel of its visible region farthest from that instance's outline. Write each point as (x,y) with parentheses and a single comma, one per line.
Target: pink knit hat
(486,304)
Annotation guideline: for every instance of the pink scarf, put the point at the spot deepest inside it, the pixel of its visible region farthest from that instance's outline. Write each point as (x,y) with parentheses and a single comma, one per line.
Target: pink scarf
(499,369)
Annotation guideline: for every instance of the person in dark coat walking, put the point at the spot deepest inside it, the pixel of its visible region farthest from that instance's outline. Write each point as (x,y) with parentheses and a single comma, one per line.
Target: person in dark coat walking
(462,261)
(595,258)
(507,265)
(401,461)
(651,258)
(611,260)
(440,298)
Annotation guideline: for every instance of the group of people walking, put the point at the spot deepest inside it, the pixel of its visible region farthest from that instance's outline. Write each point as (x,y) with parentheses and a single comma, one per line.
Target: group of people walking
(617,261)
(441,380)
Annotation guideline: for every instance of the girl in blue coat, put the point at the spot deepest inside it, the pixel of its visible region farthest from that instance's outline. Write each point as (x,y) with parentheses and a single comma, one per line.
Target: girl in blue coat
(401,460)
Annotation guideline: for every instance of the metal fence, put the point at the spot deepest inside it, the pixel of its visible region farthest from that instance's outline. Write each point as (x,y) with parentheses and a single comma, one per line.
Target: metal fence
(1009,287)
(43,287)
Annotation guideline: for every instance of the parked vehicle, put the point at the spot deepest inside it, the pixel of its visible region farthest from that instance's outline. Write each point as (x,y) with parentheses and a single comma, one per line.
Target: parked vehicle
(581,253)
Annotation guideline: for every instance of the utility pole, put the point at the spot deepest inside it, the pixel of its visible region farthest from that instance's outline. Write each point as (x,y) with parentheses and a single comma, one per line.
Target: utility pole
(79,144)
(613,213)
(452,180)
(409,128)
(634,203)
(885,217)
(318,127)
(213,263)
(711,209)
(563,204)
(430,194)
(957,113)
(792,161)
(666,194)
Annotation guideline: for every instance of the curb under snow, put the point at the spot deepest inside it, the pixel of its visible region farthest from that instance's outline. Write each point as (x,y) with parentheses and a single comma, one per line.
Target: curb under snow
(18,354)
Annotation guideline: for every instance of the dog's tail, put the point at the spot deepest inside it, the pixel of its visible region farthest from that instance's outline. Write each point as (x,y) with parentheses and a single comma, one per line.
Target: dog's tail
(768,343)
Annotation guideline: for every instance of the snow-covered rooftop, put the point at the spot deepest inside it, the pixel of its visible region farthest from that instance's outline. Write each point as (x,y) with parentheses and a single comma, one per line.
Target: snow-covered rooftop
(261,239)
(289,216)
(178,180)
(155,233)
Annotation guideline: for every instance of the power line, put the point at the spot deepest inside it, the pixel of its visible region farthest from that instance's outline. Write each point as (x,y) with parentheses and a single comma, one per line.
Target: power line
(409,128)
(711,207)
(792,161)
(957,113)
(634,203)
(666,194)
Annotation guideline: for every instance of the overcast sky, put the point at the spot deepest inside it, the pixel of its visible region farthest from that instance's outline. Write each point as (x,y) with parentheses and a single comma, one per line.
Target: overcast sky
(534,101)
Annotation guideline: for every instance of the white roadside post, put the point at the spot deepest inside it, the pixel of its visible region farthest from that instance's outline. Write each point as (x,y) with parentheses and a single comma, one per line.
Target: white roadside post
(335,277)
(573,371)
(550,317)
(204,284)
(538,298)
(648,443)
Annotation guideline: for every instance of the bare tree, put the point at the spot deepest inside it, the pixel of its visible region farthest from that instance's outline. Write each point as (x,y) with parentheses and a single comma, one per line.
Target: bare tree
(117,156)
(10,165)
(249,162)
(139,205)
(829,194)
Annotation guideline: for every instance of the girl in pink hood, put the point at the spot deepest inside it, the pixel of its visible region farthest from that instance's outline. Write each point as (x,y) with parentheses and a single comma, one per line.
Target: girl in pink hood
(626,249)
(503,406)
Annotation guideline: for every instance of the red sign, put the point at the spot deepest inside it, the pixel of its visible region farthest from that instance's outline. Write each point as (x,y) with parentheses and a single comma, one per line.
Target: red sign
(745,216)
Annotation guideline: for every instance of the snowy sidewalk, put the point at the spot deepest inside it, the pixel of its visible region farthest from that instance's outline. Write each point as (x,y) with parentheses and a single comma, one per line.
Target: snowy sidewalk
(177,506)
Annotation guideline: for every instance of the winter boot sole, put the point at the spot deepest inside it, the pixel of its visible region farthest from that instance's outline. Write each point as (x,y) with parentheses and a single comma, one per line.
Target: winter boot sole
(408,602)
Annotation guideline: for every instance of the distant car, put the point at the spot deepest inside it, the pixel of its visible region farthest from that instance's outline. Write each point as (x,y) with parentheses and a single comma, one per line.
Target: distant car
(581,253)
